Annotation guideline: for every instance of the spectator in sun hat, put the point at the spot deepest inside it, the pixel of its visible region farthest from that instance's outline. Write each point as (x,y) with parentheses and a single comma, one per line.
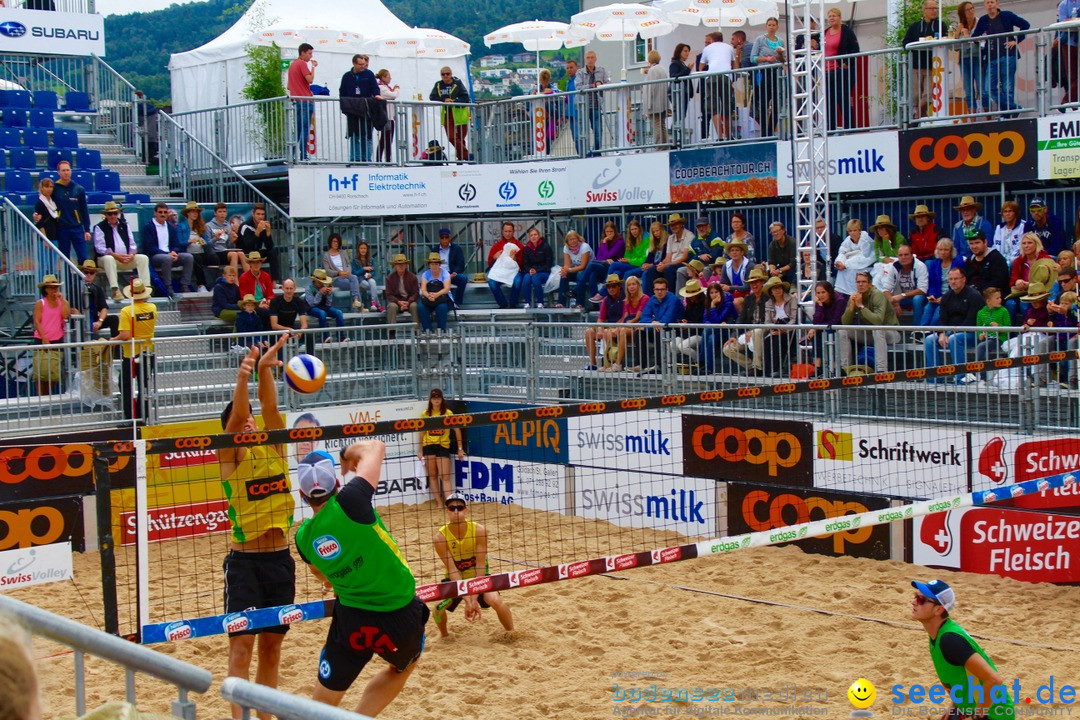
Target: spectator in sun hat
(249,323)
(98,308)
(320,300)
(957,658)
(924,235)
(969,222)
(115,246)
(138,321)
(402,290)
(1047,226)
(612,310)
(258,283)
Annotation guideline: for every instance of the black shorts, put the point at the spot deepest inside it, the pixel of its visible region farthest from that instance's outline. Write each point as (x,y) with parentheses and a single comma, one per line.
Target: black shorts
(436,451)
(356,635)
(451,604)
(259,580)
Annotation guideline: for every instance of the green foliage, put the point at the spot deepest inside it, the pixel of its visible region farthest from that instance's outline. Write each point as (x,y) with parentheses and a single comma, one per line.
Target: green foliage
(264,82)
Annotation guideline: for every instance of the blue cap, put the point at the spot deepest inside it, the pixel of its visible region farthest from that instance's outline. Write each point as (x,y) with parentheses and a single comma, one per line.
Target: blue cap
(316,474)
(444,231)
(701,220)
(938,591)
(1037,202)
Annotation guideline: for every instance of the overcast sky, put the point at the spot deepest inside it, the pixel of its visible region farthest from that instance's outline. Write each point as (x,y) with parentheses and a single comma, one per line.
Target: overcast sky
(123,7)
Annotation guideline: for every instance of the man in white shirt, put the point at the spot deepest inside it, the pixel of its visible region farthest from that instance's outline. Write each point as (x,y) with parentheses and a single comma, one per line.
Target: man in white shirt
(162,245)
(114,244)
(719,56)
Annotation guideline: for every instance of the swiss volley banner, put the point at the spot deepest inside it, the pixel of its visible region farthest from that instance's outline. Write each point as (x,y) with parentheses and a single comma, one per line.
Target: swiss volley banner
(727,172)
(1059,146)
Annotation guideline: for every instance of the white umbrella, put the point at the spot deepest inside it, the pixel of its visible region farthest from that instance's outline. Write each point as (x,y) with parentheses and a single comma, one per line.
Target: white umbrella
(320,37)
(621,22)
(537,35)
(718,13)
(417,43)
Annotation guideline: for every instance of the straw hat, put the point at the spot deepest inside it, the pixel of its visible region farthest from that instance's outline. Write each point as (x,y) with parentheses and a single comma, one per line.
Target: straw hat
(1036,291)
(255,256)
(882,221)
(697,265)
(89,266)
(773,282)
(922,210)
(613,280)
(737,243)
(320,276)
(399,259)
(719,262)
(676,218)
(192,205)
(433,258)
(968,201)
(248,299)
(110,207)
(136,290)
(757,275)
(49,281)
(691,289)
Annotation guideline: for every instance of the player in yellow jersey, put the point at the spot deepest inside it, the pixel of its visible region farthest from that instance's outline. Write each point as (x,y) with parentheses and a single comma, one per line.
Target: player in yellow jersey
(462,546)
(259,569)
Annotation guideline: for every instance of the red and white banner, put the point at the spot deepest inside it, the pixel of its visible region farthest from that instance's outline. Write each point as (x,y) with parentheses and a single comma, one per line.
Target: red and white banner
(179,521)
(1008,458)
(1029,546)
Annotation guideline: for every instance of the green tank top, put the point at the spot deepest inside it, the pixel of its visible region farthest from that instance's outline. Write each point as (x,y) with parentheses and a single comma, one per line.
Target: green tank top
(951,675)
(636,256)
(362,562)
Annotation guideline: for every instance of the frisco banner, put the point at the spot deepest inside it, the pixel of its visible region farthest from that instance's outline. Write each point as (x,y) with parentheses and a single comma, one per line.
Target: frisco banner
(1059,146)
(1029,546)
(508,187)
(728,172)
(894,460)
(44,32)
(857,163)
(33,566)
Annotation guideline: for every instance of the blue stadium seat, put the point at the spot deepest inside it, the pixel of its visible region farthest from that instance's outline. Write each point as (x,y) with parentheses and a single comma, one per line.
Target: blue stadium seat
(17,181)
(51,174)
(15,117)
(98,198)
(18,99)
(42,119)
(58,154)
(10,138)
(65,138)
(22,159)
(4,102)
(133,198)
(3,160)
(84,178)
(36,138)
(88,159)
(46,100)
(76,101)
(107,181)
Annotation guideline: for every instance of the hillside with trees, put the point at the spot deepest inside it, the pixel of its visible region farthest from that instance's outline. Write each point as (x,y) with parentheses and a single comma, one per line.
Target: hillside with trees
(138,45)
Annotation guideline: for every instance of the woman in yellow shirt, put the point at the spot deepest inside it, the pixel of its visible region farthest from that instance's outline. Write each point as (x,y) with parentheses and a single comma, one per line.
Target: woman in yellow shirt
(435,448)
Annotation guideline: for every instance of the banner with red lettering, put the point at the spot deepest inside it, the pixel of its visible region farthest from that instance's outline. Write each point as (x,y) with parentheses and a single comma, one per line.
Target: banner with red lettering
(1002,459)
(1023,545)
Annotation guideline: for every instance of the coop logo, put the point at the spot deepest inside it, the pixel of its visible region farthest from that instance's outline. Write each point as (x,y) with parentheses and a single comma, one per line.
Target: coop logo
(259,489)
(327,547)
(974,150)
(290,614)
(12,29)
(832,445)
(738,449)
(178,630)
(762,511)
(507,192)
(947,155)
(467,192)
(236,622)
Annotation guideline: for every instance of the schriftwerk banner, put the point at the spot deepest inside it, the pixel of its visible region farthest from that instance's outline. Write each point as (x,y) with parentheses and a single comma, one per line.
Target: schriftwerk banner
(42,32)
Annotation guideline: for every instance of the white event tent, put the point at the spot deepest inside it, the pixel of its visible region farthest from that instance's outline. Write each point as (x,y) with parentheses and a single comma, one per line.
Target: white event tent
(214,75)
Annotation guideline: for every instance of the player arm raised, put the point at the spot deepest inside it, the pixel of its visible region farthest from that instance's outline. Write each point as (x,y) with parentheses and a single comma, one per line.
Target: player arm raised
(365,458)
(268,396)
(241,409)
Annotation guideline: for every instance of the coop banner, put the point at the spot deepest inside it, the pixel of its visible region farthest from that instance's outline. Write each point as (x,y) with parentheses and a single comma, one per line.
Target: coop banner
(727,172)
(958,155)
(53,465)
(887,459)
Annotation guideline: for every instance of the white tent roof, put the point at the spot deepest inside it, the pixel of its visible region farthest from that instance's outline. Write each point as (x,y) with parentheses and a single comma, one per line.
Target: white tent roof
(296,15)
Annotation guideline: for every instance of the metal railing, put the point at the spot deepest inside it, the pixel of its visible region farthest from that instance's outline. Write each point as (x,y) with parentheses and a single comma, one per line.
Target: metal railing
(951,80)
(251,696)
(116,108)
(135,659)
(28,256)
(544,361)
(193,171)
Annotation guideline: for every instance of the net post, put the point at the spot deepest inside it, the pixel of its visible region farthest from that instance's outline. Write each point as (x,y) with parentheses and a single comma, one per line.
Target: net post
(103,503)
(142,553)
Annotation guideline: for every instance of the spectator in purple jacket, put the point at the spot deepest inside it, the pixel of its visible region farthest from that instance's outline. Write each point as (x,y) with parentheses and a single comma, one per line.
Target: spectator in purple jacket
(611,247)
(828,309)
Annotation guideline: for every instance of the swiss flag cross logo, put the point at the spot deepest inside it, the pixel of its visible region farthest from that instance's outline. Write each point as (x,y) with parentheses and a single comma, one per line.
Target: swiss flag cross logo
(935,532)
(992,461)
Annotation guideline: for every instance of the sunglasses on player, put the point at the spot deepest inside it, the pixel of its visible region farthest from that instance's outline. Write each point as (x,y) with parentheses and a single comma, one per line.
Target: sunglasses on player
(456,508)
(921,599)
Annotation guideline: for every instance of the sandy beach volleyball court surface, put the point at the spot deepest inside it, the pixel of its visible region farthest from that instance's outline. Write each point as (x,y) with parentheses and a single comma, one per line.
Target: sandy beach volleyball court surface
(576,639)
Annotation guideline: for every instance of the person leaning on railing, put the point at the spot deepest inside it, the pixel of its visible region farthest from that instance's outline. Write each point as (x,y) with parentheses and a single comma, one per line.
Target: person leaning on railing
(1000,55)
(51,313)
(840,41)
(455,120)
(960,307)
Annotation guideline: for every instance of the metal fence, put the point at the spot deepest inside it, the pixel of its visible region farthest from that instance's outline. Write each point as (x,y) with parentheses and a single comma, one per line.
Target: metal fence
(951,80)
(135,659)
(116,108)
(252,696)
(543,362)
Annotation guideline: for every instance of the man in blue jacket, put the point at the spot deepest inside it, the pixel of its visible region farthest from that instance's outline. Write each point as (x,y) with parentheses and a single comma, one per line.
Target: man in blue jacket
(662,309)
(161,243)
(1047,226)
(73,225)
(453,261)
(359,83)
